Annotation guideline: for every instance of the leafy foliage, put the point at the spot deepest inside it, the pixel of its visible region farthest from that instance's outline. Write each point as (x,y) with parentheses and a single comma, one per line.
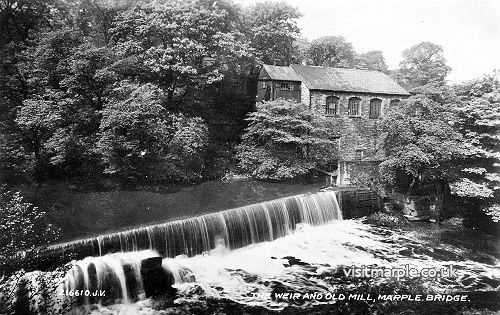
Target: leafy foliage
(421,145)
(449,136)
(21,17)
(423,64)
(20,292)
(332,51)
(271,28)
(371,60)
(175,44)
(186,157)
(38,119)
(67,84)
(23,227)
(140,139)
(117,88)
(335,51)
(13,160)
(478,120)
(301,51)
(59,84)
(283,140)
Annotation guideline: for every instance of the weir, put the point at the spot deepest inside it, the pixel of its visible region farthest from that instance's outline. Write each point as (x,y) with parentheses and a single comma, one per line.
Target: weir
(232,228)
(128,264)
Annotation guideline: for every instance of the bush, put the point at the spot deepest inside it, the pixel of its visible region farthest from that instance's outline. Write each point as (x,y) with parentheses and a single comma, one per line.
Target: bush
(23,226)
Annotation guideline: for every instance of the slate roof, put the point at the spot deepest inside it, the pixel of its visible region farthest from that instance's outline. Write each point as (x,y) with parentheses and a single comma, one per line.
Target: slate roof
(278,73)
(337,79)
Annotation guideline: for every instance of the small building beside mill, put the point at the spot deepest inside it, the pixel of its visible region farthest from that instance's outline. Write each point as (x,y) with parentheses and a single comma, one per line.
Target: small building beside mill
(353,100)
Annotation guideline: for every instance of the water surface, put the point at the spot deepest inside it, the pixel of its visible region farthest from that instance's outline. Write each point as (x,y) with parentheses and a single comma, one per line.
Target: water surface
(90,213)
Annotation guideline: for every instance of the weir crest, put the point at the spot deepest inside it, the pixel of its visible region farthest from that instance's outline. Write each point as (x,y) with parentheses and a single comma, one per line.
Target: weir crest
(234,228)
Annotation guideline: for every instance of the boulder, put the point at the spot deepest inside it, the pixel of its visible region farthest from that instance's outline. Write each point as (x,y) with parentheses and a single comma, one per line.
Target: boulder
(157,281)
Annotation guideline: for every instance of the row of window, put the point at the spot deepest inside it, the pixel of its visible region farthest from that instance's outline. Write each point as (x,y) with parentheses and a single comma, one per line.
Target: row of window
(353,107)
(283,86)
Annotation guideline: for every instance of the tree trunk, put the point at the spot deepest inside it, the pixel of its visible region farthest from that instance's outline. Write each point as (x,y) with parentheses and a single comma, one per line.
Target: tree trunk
(438,206)
(170,94)
(412,184)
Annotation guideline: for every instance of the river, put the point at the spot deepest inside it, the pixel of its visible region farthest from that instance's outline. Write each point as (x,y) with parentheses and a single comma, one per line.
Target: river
(293,255)
(82,214)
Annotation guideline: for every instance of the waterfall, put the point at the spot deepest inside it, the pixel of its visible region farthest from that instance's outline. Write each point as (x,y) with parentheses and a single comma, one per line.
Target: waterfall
(118,276)
(234,228)
(131,273)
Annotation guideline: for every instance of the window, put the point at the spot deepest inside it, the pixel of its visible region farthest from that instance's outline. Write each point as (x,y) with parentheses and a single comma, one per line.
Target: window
(331,105)
(394,102)
(264,84)
(360,153)
(415,111)
(286,87)
(353,106)
(375,107)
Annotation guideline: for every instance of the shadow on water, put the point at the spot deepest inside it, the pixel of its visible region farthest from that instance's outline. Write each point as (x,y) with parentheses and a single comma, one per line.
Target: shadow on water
(87,213)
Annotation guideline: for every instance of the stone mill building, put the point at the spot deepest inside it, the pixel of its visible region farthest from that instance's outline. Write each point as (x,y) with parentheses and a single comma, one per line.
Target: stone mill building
(353,100)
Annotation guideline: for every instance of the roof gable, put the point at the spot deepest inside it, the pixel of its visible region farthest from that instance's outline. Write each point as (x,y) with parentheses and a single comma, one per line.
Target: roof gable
(347,80)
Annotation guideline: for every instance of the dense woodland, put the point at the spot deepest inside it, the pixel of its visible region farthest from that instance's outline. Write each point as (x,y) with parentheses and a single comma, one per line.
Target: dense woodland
(145,91)
(142,91)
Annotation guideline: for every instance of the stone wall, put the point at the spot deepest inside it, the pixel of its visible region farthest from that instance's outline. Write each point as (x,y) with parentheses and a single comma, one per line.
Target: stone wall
(304,94)
(360,148)
(359,134)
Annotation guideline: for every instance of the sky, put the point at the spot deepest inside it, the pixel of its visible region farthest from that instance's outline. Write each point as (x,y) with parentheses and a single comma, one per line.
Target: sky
(468,30)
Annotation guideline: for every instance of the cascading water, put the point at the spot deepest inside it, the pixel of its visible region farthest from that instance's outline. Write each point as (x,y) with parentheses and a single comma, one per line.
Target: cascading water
(117,276)
(233,228)
(121,274)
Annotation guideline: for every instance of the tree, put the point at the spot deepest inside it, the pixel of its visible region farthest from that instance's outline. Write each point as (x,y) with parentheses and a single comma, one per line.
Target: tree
(68,77)
(187,148)
(423,64)
(478,120)
(177,45)
(284,140)
(38,119)
(421,145)
(90,76)
(139,139)
(372,60)
(15,162)
(271,28)
(94,18)
(332,51)
(300,51)
(63,65)
(48,63)
(446,137)
(21,21)
(22,18)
